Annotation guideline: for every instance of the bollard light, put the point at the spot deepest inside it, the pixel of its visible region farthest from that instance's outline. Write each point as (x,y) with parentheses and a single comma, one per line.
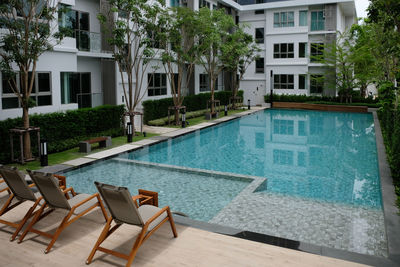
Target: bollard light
(43,153)
(248,103)
(183,119)
(129,131)
(144,134)
(226,110)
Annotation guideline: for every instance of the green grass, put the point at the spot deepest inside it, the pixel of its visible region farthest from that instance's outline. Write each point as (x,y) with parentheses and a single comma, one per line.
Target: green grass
(201,119)
(73,153)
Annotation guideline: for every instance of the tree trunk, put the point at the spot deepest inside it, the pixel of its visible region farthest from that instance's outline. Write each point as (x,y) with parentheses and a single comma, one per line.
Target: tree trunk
(177,116)
(132,120)
(235,87)
(27,137)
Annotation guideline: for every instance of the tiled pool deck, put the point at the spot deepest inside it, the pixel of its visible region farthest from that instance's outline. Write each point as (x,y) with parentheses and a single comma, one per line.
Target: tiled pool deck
(330,225)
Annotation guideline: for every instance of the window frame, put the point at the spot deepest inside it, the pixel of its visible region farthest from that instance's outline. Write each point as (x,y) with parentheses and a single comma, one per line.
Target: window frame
(317,81)
(281,81)
(305,81)
(286,54)
(162,88)
(315,25)
(304,12)
(316,50)
(259,40)
(281,19)
(258,69)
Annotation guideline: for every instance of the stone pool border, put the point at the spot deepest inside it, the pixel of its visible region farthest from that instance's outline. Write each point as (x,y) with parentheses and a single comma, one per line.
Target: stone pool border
(392,220)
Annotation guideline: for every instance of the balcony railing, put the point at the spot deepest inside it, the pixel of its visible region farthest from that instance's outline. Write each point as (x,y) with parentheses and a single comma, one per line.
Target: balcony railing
(88,41)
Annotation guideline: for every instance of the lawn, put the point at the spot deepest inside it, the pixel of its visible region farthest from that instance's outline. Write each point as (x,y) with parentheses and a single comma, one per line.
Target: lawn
(73,153)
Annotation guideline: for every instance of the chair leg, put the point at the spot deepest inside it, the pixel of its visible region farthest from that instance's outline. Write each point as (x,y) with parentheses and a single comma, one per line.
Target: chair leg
(172,223)
(100,240)
(34,220)
(135,248)
(24,220)
(60,228)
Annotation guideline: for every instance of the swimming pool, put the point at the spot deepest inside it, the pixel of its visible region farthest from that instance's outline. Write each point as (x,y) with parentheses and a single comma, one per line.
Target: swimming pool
(321,169)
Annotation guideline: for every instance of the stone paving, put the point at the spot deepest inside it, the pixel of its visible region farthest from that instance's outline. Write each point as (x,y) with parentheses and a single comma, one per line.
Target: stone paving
(338,226)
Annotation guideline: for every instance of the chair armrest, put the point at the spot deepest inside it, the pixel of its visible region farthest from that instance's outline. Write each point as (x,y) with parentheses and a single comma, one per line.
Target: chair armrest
(139,197)
(69,189)
(62,180)
(155,216)
(84,201)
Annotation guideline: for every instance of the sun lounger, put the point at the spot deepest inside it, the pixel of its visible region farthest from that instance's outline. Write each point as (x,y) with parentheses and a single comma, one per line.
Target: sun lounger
(56,198)
(124,209)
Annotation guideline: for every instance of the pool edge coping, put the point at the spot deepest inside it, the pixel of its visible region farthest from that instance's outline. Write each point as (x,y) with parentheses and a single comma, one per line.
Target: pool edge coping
(385,177)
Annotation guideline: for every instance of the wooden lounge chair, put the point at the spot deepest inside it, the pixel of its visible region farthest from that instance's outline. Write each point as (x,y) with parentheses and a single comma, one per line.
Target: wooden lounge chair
(77,206)
(16,182)
(124,209)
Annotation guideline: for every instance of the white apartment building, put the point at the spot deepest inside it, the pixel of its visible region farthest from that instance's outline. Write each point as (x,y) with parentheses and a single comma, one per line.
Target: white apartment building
(80,71)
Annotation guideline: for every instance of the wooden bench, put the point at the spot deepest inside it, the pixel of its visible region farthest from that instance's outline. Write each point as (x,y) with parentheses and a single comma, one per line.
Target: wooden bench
(85,146)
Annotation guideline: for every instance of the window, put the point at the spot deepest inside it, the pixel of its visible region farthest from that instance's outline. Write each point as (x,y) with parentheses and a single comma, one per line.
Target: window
(41,91)
(260,65)
(283,51)
(302,81)
(316,84)
(317,52)
(283,157)
(285,127)
(303,18)
(124,63)
(259,1)
(204,83)
(259,12)
(283,19)
(67,20)
(154,42)
(317,20)
(302,49)
(284,81)
(203,3)
(76,88)
(157,84)
(259,35)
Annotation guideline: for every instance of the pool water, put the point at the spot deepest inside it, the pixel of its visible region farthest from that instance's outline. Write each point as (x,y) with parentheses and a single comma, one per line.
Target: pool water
(326,156)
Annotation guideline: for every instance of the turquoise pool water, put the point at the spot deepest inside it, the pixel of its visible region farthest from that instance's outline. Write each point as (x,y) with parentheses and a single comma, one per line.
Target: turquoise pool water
(328,156)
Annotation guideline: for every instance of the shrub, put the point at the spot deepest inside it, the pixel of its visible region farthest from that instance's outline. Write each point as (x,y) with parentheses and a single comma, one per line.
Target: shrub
(164,121)
(155,109)
(64,130)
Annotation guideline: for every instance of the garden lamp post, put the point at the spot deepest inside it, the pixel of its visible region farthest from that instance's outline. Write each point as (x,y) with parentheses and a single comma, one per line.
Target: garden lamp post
(248,103)
(271,96)
(129,132)
(43,153)
(226,110)
(183,119)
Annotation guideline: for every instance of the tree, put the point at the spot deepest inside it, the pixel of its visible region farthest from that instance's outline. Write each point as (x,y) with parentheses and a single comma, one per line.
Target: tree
(213,29)
(338,58)
(238,53)
(29,33)
(180,53)
(132,34)
(365,69)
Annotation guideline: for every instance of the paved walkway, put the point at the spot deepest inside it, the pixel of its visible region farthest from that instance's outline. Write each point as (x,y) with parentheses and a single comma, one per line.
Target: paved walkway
(193,247)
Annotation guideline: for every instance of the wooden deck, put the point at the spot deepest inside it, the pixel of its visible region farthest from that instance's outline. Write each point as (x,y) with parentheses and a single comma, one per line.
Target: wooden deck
(294,105)
(193,247)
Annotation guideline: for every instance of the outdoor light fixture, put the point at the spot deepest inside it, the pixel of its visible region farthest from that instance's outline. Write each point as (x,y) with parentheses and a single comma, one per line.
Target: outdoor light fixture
(144,134)
(183,119)
(226,110)
(248,103)
(43,153)
(129,131)
(271,96)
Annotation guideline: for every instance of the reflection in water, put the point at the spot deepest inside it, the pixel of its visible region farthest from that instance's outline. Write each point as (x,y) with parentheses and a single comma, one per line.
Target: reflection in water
(330,156)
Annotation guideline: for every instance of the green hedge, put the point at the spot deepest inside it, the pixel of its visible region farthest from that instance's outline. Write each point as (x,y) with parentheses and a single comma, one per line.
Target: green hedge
(305,98)
(64,130)
(164,120)
(155,109)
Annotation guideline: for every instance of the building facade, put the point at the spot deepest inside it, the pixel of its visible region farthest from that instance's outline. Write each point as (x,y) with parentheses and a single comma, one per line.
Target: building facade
(80,71)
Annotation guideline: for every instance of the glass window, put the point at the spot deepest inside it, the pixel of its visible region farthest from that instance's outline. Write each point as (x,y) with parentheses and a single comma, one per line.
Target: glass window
(283,51)
(259,11)
(303,18)
(7,83)
(157,84)
(259,35)
(203,3)
(284,19)
(204,83)
(302,50)
(76,88)
(316,84)
(283,81)
(317,52)
(44,82)
(302,81)
(317,20)
(260,65)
